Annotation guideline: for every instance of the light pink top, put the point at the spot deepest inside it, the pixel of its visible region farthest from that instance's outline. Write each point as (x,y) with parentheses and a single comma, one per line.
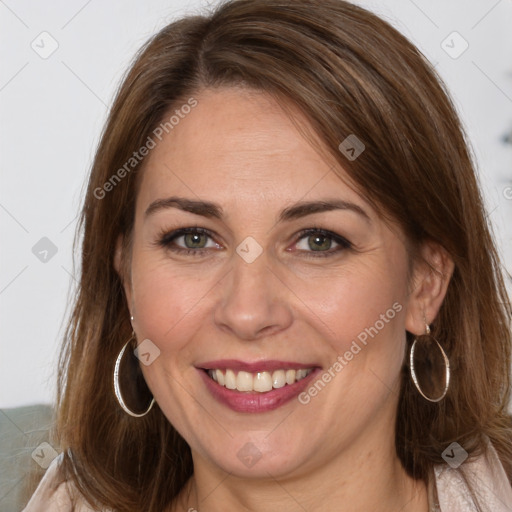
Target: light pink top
(485,475)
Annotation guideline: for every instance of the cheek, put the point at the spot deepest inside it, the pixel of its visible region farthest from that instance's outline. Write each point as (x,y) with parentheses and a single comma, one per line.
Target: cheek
(362,301)
(162,298)
(363,322)
(360,312)
(168,310)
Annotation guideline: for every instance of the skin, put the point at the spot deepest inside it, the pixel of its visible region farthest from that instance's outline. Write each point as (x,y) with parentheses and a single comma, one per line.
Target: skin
(240,150)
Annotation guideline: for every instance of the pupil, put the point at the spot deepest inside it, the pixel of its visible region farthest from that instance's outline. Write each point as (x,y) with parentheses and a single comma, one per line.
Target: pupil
(318,238)
(194,238)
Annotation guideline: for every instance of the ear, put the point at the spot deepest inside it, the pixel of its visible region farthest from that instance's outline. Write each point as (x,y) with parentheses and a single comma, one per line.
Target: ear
(431,275)
(120,267)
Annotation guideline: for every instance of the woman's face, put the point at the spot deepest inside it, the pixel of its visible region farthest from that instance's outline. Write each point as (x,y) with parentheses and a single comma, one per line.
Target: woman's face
(301,309)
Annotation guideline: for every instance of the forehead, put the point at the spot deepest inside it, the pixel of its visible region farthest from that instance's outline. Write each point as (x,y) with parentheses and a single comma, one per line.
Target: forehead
(241,146)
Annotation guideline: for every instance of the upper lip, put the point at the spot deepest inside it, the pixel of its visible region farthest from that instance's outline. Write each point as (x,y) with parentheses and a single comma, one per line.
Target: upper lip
(253,367)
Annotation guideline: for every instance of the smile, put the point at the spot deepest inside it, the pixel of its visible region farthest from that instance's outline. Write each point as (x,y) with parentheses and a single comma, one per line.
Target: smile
(261,382)
(258,386)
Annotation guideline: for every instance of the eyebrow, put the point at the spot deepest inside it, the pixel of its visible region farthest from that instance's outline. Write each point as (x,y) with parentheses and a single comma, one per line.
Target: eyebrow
(213,210)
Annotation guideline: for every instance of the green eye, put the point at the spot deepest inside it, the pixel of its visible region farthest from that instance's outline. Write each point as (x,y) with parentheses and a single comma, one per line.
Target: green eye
(319,242)
(194,240)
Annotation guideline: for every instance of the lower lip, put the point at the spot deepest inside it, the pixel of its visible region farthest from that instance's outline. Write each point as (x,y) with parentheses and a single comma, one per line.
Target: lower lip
(247,401)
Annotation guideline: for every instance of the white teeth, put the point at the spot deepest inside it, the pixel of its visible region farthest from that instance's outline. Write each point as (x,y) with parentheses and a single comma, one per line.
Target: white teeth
(261,382)
(290,376)
(230,379)
(301,374)
(244,381)
(278,379)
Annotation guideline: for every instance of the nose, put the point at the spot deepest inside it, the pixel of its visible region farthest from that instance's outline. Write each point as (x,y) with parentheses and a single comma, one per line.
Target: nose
(253,301)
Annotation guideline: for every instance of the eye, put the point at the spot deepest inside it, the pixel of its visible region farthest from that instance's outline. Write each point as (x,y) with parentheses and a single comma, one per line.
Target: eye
(313,242)
(187,241)
(319,242)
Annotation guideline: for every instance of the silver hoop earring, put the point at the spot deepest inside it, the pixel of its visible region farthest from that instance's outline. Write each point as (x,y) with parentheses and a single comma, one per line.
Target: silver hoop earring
(430,373)
(136,392)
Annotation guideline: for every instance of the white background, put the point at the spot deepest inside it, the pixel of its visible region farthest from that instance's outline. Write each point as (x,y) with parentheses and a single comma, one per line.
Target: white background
(52,112)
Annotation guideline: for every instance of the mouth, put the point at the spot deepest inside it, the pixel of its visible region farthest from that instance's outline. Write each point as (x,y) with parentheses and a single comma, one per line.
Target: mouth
(256,387)
(259,382)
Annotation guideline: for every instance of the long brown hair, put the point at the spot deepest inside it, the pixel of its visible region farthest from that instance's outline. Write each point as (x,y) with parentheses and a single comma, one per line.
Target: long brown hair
(348,72)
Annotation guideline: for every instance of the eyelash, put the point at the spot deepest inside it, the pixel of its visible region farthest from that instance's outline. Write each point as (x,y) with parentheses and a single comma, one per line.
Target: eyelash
(165,240)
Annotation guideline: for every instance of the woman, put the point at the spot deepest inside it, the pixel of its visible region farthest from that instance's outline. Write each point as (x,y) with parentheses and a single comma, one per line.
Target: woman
(289,295)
